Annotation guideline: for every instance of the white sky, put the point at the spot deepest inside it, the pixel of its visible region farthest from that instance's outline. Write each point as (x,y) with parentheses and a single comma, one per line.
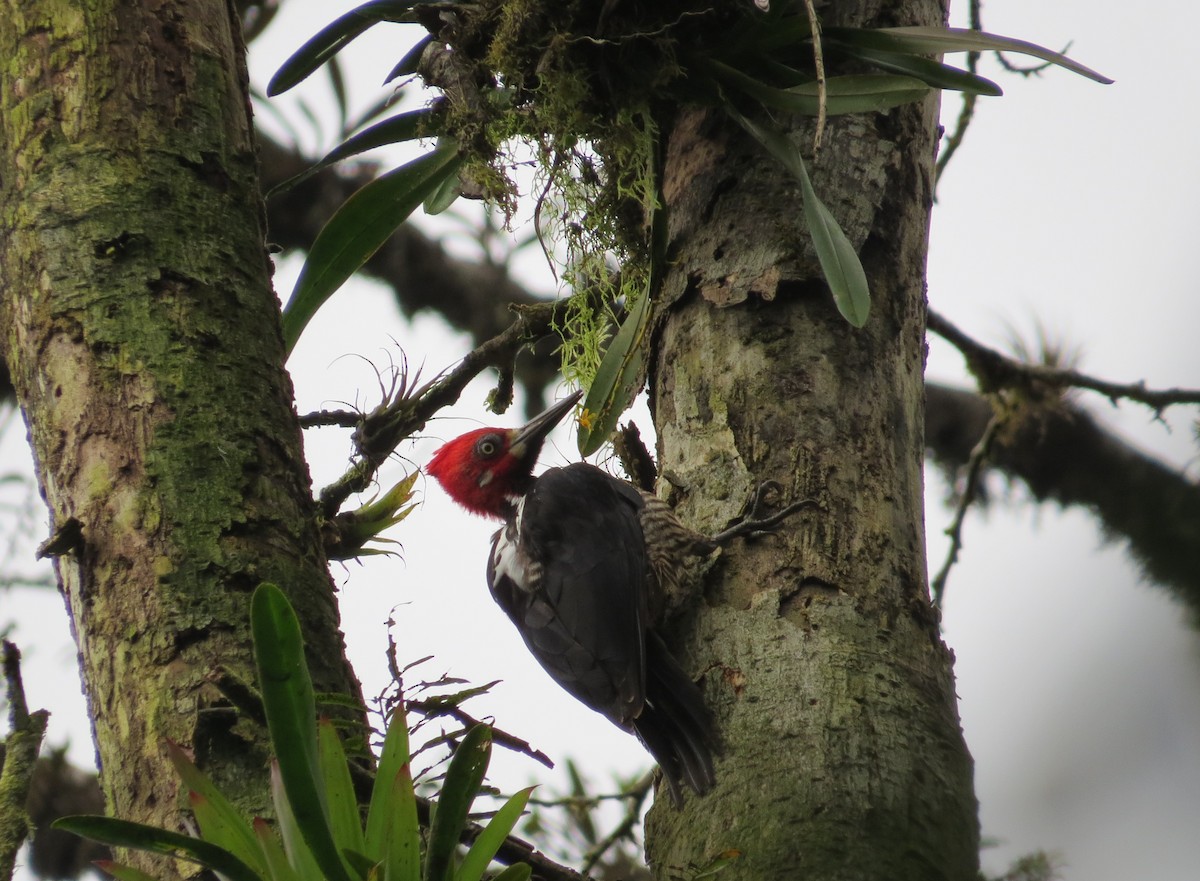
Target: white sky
(1070,208)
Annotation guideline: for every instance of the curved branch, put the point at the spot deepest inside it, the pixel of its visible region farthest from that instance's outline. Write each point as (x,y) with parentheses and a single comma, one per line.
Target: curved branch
(995,371)
(387,426)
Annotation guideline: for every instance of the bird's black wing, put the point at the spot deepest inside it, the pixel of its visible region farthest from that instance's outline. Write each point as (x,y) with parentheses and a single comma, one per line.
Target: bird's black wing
(570,572)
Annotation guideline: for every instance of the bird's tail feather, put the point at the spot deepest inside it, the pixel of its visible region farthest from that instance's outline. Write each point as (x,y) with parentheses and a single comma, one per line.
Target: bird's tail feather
(675,725)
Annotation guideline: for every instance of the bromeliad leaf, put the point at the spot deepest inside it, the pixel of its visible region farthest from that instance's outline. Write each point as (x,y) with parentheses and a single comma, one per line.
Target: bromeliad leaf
(617,379)
(230,833)
(278,867)
(463,779)
(291,719)
(839,261)
(344,820)
(236,836)
(123,833)
(359,228)
(288,698)
(402,848)
(936,41)
(393,760)
(333,38)
(485,847)
(299,855)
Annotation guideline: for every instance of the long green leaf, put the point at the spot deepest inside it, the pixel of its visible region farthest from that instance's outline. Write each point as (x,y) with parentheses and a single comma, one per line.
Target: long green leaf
(331,39)
(216,827)
(484,848)
(392,759)
(444,195)
(617,379)
(288,698)
(393,829)
(291,719)
(932,73)
(402,857)
(123,833)
(864,93)
(515,872)
(938,40)
(299,856)
(364,222)
(234,832)
(344,818)
(278,867)
(393,130)
(839,261)
(459,788)
(410,61)
(844,94)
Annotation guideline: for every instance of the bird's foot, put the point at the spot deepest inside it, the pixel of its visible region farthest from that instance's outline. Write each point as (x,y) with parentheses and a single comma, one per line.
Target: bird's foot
(753,523)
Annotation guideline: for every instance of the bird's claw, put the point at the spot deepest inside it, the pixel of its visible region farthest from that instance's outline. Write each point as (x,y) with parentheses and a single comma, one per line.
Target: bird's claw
(753,523)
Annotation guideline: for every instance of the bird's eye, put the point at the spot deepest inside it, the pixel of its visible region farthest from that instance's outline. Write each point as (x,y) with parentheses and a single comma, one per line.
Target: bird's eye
(488,446)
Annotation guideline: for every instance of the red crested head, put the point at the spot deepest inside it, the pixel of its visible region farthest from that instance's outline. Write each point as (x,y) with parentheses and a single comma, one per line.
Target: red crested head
(487,470)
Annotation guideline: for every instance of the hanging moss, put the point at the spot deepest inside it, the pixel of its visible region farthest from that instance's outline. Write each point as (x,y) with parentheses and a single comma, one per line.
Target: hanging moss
(573,83)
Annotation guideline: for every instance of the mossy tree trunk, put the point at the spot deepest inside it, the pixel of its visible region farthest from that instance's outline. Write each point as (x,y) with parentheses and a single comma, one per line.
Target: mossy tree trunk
(142,336)
(143,339)
(844,756)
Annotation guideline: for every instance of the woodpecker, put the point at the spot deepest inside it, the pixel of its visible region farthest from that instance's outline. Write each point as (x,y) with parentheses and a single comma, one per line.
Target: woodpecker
(576,566)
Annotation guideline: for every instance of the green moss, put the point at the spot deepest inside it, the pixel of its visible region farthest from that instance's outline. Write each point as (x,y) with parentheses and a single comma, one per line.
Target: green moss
(580,103)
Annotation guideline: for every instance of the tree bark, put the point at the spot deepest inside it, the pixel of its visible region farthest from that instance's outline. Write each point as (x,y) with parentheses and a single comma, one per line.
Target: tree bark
(142,336)
(844,755)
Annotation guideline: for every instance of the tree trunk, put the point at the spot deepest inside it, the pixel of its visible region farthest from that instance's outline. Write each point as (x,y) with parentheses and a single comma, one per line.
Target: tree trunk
(843,752)
(143,339)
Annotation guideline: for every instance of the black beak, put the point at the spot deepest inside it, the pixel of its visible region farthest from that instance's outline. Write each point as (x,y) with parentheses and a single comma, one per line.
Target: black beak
(528,440)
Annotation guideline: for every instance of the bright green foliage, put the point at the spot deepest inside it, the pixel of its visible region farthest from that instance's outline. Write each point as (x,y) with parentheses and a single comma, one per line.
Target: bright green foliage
(588,98)
(356,528)
(317,814)
(839,262)
(359,228)
(617,381)
(336,37)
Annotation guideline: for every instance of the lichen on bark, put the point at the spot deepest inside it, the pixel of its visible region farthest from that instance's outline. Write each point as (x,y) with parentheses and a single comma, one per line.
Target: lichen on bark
(143,339)
(845,755)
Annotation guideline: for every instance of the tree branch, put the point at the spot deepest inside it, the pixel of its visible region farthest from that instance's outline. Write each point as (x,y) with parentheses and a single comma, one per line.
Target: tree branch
(979,456)
(383,429)
(636,797)
(18,758)
(996,371)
